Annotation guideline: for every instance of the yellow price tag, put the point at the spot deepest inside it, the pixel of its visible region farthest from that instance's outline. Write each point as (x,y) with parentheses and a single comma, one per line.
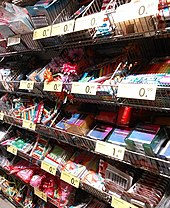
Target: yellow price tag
(40,194)
(41,33)
(111,150)
(12,150)
(120,203)
(48,168)
(1,116)
(69,178)
(26,85)
(84,88)
(29,125)
(53,86)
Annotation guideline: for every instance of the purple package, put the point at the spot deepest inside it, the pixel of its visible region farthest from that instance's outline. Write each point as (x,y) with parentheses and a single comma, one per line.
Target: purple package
(100,132)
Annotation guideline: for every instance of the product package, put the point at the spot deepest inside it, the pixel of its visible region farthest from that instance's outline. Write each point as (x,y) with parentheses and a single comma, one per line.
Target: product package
(148,191)
(147,139)
(100,132)
(118,136)
(40,149)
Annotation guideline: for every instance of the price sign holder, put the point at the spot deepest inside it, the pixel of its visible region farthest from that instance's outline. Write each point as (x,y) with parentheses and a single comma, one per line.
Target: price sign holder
(41,33)
(90,21)
(29,125)
(13,40)
(109,149)
(53,86)
(137,91)
(62,28)
(84,88)
(69,178)
(26,85)
(120,203)
(40,194)
(12,150)
(1,116)
(135,10)
(48,168)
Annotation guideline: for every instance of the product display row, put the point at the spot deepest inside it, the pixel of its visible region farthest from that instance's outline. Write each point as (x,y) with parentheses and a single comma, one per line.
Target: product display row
(116,179)
(84,103)
(69,23)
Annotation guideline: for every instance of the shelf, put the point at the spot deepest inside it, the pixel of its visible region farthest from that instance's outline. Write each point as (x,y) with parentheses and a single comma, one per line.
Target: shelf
(138,160)
(97,94)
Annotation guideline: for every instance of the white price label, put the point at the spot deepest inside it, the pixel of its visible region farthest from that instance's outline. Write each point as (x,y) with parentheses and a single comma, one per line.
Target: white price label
(69,178)
(111,150)
(41,33)
(62,28)
(13,40)
(26,85)
(29,125)
(137,91)
(53,86)
(1,116)
(120,203)
(90,21)
(135,10)
(84,88)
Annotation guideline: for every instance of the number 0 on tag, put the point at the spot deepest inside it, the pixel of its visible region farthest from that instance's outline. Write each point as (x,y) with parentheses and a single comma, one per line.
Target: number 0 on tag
(72,180)
(48,168)
(53,86)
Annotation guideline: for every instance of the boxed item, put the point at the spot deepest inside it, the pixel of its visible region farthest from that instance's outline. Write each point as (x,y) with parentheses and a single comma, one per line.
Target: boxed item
(100,132)
(147,139)
(79,124)
(118,136)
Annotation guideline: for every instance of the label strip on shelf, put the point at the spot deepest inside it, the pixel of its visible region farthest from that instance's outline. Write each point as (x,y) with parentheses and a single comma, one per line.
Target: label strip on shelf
(120,203)
(69,178)
(137,91)
(48,168)
(13,40)
(90,21)
(41,33)
(53,86)
(40,194)
(111,150)
(29,125)
(26,85)
(12,150)
(1,116)
(62,28)
(84,88)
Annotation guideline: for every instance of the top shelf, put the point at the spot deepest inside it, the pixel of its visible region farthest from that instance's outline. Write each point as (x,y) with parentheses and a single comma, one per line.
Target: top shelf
(95,25)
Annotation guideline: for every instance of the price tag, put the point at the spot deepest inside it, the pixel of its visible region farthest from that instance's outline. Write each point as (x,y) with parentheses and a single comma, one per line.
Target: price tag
(13,40)
(48,168)
(53,86)
(135,10)
(40,194)
(41,33)
(29,125)
(12,150)
(62,28)
(120,203)
(68,178)
(90,21)
(1,116)
(26,85)
(137,91)
(111,150)
(84,88)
